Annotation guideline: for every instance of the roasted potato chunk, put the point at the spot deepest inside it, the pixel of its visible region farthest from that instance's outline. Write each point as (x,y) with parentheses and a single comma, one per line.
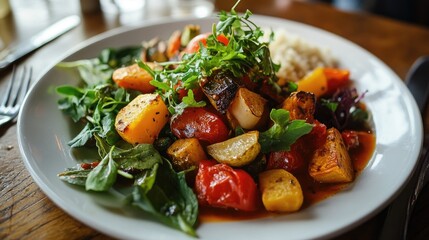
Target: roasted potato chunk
(142,119)
(331,162)
(237,151)
(301,105)
(186,153)
(281,191)
(248,108)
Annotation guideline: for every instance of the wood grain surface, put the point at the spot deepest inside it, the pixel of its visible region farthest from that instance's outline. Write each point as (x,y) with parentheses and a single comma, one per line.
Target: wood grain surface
(26,212)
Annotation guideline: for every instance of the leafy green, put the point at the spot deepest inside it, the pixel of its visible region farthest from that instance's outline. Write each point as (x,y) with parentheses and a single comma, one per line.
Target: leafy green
(103,176)
(75,176)
(244,54)
(167,197)
(283,133)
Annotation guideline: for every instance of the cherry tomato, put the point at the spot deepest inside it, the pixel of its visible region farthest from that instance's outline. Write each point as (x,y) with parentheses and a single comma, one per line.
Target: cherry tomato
(194,45)
(200,123)
(292,161)
(317,136)
(219,185)
(198,93)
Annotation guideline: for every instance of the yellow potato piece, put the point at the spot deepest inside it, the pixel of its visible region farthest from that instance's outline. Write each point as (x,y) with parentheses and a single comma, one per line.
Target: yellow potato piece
(281,191)
(237,151)
(142,119)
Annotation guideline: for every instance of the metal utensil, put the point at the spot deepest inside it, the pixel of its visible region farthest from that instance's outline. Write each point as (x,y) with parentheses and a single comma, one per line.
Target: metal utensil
(12,54)
(400,210)
(14,95)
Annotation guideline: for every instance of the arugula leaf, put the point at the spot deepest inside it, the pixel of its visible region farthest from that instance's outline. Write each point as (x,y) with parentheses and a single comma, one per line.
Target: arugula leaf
(102,177)
(283,133)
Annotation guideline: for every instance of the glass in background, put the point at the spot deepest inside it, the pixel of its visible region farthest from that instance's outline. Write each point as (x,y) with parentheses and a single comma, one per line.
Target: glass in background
(122,6)
(196,8)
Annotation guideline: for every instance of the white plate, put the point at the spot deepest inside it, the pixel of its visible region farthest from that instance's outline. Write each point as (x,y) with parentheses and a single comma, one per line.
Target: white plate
(43,133)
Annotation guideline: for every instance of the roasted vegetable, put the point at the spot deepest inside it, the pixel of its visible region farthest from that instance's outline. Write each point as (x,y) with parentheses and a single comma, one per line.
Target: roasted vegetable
(219,185)
(315,82)
(186,153)
(237,151)
(134,77)
(281,191)
(142,119)
(220,89)
(301,105)
(331,162)
(173,45)
(248,108)
(322,81)
(154,51)
(199,123)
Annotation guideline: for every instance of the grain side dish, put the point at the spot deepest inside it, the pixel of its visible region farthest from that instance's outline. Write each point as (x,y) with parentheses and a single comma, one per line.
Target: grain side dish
(205,126)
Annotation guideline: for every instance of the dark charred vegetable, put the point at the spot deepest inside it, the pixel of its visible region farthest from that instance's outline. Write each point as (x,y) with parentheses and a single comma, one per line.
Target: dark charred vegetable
(220,89)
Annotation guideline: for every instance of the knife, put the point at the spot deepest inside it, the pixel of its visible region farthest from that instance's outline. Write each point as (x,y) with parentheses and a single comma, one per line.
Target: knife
(12,54)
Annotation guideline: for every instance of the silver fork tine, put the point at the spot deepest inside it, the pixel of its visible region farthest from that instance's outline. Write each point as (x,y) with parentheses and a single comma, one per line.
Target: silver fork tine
(16,90)
(10,87)
(24,85)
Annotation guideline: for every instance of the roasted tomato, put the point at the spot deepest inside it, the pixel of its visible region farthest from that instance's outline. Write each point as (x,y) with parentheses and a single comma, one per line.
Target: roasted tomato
(219,185)
(200,123)
(198,92)
(351,139)
(291,161)
(194,45)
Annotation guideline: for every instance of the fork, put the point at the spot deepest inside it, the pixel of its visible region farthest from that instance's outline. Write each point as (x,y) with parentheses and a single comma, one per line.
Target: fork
(14,95)
(399,213)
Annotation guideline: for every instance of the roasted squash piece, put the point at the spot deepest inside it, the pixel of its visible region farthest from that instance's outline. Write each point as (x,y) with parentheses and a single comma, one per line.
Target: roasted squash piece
(237,151)
(301,105)
(134,77)
(331,162)
(142,119)
(186,153)
(281,191)
(248,108)
(314,82)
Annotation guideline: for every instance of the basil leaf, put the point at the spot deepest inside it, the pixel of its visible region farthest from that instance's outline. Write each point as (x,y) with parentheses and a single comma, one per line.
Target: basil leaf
(283,133)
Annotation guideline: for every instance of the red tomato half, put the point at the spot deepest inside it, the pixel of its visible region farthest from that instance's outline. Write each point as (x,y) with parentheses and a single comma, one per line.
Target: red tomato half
(200,123)
(219,185)
(194,45)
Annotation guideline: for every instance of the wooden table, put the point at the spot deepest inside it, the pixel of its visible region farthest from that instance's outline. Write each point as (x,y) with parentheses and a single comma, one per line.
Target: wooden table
(25,211)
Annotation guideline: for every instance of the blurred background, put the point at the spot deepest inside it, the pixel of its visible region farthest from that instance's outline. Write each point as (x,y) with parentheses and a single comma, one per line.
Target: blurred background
(20,19)
(411,11)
